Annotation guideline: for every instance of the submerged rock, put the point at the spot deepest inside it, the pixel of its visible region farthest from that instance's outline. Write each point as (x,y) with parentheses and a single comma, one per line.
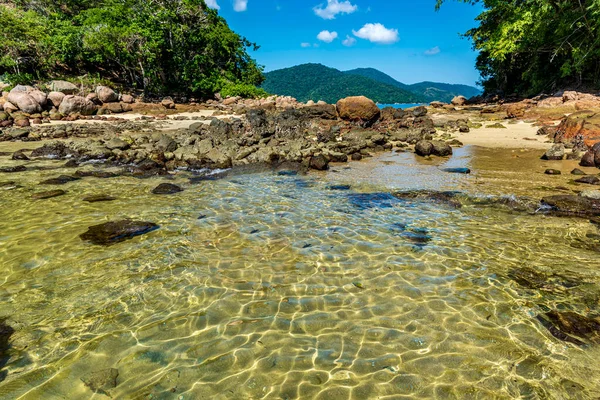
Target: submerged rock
(20,155)
(589,180)
(552,172)
(10,170)
(457,170)
(48,195)
(571,327)
(101,381)
(167,188)
(6,332)
(572,205)
(60,180)
(448,198)
(98,198)
(577,171)
(117,231)
(95,174)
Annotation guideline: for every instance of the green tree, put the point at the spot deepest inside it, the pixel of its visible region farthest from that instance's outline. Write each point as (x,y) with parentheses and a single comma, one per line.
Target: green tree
(532,46)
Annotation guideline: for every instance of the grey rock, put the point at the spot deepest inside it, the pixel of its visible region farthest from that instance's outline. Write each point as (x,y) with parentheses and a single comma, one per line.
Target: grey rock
(106,94)
(63,87)
(116,144)
(591,194)
(25,102)
(77,105)
(556,152)
(56,98)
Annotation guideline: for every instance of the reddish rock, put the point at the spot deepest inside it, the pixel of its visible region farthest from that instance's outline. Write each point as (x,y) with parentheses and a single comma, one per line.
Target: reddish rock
(584,124)
(22,123)
(358,109)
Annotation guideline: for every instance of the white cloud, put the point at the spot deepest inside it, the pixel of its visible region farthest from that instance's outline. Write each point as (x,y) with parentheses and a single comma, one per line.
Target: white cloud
(333,8)
(349,41)
(213,4)
(240,5)
(305,45)
(377,33)
(327,37)
(433,51)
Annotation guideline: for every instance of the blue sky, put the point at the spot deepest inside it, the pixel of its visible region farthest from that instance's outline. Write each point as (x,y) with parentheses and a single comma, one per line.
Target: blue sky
(406,39)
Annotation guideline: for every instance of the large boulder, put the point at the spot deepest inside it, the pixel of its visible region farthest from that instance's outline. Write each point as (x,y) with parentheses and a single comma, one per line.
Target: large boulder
(556,152)
(63,87)
(106,94)
(581,125)
(77,105)
(39,96)
(24,101)
(358,109)
(425,148)
(459,101)
(56,98)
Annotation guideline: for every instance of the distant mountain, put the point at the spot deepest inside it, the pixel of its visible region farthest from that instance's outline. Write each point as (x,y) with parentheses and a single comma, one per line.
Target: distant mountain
(430,91)
(318,82)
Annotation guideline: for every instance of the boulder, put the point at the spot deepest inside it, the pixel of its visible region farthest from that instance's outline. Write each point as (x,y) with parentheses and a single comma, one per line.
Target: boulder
(48,195)
(167,188)
(321,111)
(581,125)
(63,87)
(56,98)
(230,101)
(358,109)
(22,89)
(588,159)
(425,148)
(98,198)
(10,107)
(127,99)
(417,112)
(168,103)
(591,194)
(319,163)
(556,152)
(572,205)
(516,110)
(77,105)
(116,144)
(459,101)
(106,94)
(39,96)
(437,104)
(117,231)
(25,102)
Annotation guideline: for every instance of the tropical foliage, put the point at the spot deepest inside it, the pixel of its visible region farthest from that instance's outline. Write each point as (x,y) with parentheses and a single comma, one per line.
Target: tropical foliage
(533,46)
(158,46)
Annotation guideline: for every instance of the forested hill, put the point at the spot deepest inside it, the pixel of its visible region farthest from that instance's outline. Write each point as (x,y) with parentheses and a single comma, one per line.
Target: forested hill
(430,91)
(174,46)
(318,82)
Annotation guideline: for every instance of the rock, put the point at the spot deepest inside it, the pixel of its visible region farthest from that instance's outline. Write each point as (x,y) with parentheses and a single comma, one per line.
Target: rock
(166,144)
(101,381)
(116,143)
(457,170)
(25,102)
(424,148)
(319,163)
(464,129)
(111,108)
(116,231)
(230,101)
(11,170)
(51,150)
(321,111)
(571,327)
(497,125)
(589,180)
(552,172)
(437,104)
(168,103)
(20,155)
(22,123)
(60,180)
(40,97)
(579,126)
(77,105)
(6,332)
(10,107)
(516,110)
(358,109)
(106,94)
(459,101)
(577,171)
(591,194)
(417,112)
(98,198)
(588,159)
(56,98)
(127,99)
(441,149)
(48,195)
(572,205)
(96,174)
(356,157)
(167,188)
(63,87)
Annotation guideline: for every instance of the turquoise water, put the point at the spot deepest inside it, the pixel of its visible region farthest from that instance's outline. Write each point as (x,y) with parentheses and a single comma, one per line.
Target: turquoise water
(401,106)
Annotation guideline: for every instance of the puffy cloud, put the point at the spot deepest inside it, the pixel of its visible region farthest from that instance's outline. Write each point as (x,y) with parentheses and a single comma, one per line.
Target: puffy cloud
(240,5)
(305,44)
(213,4)
(433,51)
(333,8)
(349,41)
(327,37)
(377,33)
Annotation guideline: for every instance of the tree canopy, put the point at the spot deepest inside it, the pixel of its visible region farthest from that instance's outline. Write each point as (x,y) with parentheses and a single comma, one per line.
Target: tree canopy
(156,45)
(532,46)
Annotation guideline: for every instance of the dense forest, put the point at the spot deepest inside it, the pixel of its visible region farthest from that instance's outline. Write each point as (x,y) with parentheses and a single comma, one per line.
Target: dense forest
(533,46)
(318,82)
(159,46)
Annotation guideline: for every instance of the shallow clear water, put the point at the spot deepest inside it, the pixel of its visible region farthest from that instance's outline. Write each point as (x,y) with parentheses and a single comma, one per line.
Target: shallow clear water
(278,287)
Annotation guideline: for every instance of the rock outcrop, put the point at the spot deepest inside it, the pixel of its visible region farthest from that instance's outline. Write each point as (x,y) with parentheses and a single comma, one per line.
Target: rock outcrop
(358,109)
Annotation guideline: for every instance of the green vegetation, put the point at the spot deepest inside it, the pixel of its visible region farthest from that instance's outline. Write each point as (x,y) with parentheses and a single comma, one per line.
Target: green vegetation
(317,82)
(175,46)
(429,91)
(532,46)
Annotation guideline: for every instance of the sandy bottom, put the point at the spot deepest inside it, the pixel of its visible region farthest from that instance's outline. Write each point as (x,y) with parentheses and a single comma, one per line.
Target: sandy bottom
(515,136)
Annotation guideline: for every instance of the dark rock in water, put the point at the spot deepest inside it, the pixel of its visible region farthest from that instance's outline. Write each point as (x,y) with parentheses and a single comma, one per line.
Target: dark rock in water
(572,205)
(589,179)
(117,231)
(319,163)
(61,180)
(457,170)
(570,327)
(6,332)
(339,187)
(98,198)
(52,150)
(10,170)
(167,188)
(577,171)
(588,159)
(48,195)
(356,157)
(419,237)
(101,381)
(20,155)
(95,174)
(532,279)
(425,148)
(72,163)
(556,152)
(365,201)
(448,198)
(552,172)
(287,173)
